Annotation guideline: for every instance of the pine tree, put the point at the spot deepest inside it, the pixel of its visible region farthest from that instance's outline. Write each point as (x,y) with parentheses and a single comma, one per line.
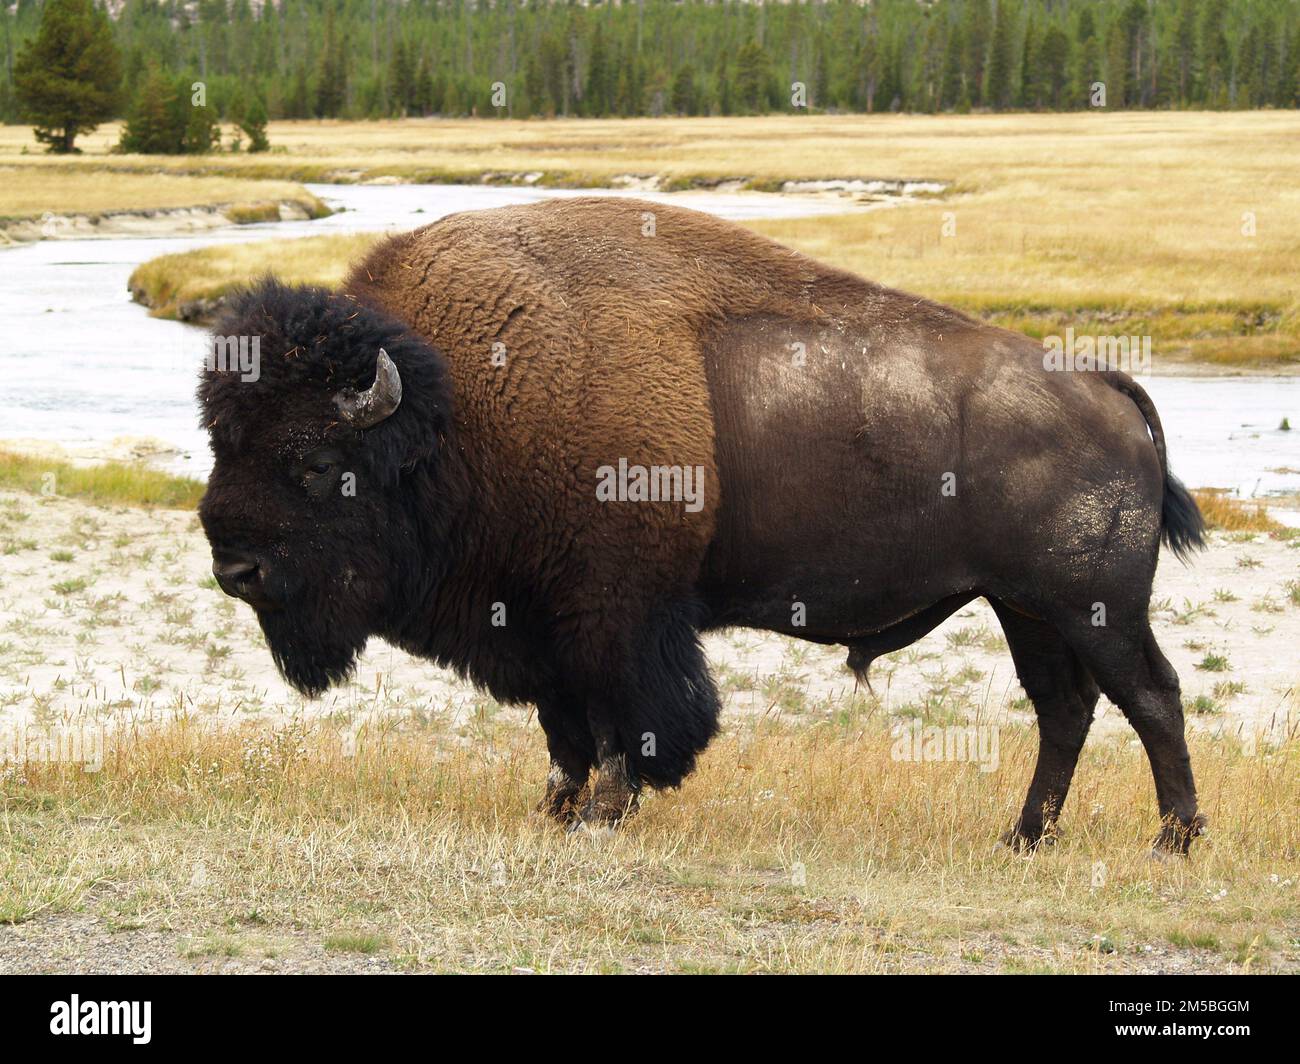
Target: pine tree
(1117,68)
(596,95)
(200,131)
(683,93)
(423,101)
(402,87)
(1185,48)
(332,73)
(1088,60)
(156,125)
(1054,59)
(997,91)
(1213,58)
(975,36)
(253,123)
(751,76)
(725,88)
(66,77)
(298,102)
(950,84)
(1031,71)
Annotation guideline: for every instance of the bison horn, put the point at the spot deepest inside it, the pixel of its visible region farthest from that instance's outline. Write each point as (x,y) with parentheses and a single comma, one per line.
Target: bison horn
(363,409)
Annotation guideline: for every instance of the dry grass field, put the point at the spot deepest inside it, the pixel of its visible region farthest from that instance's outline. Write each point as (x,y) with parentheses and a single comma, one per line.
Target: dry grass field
(793,849)
(1182,226)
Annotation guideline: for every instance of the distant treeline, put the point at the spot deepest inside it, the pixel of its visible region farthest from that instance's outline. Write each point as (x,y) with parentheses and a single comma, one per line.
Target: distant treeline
(383,58)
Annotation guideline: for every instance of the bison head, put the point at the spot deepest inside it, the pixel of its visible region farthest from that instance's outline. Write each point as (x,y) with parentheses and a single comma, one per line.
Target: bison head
(327,421)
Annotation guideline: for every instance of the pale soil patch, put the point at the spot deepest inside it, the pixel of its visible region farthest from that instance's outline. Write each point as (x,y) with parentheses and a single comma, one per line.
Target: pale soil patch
(85,943)
(106,612)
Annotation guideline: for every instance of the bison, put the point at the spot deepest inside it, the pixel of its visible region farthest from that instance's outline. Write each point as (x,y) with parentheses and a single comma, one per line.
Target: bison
(547,446)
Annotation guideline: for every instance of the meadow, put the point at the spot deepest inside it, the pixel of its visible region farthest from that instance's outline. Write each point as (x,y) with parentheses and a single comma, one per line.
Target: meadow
(412,846)
(28,192)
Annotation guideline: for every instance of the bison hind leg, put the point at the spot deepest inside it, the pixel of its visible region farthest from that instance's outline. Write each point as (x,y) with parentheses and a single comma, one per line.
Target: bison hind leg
(1065,696)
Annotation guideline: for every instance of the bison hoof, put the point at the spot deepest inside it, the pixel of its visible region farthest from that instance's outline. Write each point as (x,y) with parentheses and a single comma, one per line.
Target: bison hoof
(598,814)
(1175,838)
(560,808)
(1027,840)
(594,832)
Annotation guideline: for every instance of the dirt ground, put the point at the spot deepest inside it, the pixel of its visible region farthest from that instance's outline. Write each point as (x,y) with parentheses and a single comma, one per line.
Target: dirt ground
(85,944)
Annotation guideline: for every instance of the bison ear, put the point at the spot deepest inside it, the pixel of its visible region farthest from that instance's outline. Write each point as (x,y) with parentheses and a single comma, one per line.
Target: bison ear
(363,409)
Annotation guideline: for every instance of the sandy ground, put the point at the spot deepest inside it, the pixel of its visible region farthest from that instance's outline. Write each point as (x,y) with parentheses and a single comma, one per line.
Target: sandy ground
(111,613)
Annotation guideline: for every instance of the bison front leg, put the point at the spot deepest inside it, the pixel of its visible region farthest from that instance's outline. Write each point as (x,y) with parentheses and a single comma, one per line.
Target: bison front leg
(651,708)
(570,747)
(614,792)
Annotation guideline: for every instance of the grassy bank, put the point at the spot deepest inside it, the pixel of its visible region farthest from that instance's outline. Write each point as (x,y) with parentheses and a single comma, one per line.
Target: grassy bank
(792,849)
(108,482)
(1228,514)
(28,192)
(187,284)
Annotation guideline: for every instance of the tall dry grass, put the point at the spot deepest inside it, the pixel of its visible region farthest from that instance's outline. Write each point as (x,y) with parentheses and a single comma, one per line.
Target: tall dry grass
(792,849)
(1229,514)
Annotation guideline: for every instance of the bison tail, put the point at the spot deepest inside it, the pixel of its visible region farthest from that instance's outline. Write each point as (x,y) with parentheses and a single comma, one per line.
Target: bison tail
(1182,525)
(671,709)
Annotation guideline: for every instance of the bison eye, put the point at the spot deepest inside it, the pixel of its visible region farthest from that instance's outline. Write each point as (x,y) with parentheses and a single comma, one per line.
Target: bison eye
(318,468)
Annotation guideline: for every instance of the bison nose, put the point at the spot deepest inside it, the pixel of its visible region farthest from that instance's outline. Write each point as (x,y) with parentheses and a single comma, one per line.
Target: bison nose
(238,575)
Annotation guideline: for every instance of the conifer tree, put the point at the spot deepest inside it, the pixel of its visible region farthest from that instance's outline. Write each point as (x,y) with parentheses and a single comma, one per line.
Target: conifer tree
(66,77)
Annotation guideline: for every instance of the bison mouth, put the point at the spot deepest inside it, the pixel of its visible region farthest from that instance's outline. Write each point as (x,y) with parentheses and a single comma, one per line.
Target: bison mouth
(312,653)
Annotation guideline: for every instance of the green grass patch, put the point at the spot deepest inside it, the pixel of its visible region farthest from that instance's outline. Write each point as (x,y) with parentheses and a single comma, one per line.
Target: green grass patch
(111,482)
(356,942)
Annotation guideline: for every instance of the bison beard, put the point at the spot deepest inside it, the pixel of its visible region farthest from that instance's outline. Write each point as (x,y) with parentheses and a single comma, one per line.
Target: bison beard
(474,377)
(312,654)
